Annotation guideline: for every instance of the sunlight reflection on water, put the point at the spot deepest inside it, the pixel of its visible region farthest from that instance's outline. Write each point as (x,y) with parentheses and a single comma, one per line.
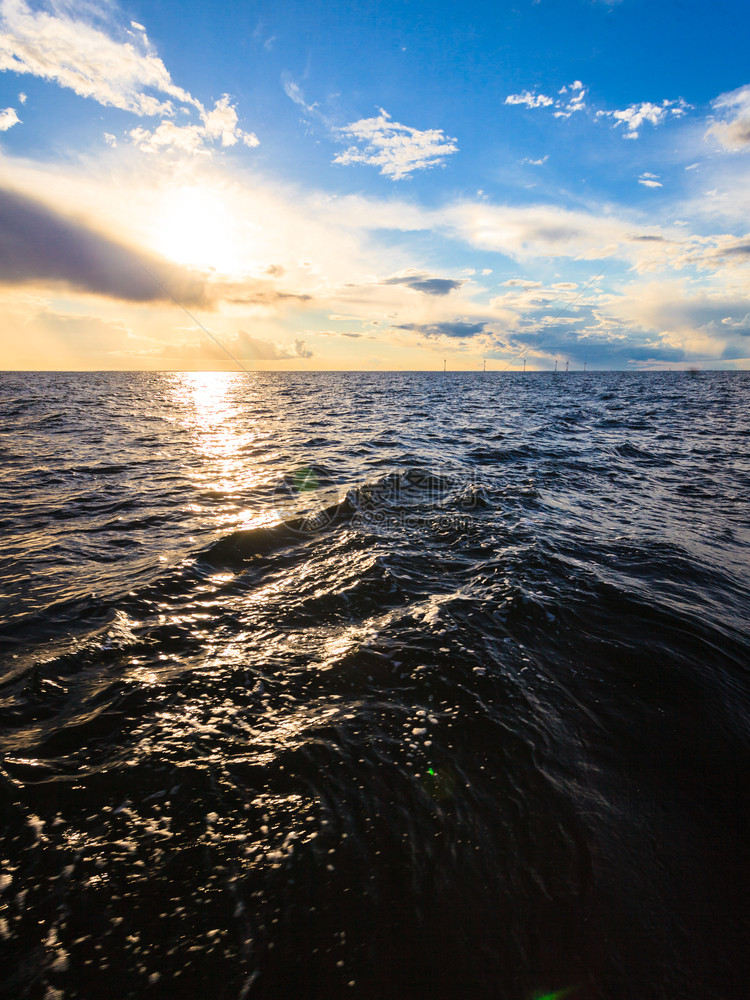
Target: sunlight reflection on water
(217,411)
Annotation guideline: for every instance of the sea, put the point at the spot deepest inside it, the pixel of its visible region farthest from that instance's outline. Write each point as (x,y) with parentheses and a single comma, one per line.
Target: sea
(382,686)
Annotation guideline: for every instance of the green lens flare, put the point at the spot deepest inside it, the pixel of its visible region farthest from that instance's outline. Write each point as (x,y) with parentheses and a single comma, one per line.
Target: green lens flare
(305,479)
(557,995)
(439,783)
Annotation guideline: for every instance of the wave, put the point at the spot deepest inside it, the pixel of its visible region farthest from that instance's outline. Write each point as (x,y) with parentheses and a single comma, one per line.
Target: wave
(464,721)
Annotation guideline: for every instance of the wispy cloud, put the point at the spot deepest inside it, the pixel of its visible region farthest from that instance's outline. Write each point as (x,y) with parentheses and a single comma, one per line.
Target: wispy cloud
(398,150)
(122,72)
(294,92)
(733,132)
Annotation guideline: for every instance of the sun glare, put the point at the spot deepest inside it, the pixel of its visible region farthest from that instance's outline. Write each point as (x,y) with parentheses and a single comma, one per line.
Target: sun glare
(195,229)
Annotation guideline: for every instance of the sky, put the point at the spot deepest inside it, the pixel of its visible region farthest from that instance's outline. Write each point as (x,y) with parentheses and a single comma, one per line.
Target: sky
(391,184)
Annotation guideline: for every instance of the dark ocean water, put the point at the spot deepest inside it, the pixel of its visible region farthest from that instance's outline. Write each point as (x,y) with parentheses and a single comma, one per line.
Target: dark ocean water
(396,686)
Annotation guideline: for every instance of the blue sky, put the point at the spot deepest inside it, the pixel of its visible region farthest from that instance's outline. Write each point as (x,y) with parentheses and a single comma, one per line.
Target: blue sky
(375,185)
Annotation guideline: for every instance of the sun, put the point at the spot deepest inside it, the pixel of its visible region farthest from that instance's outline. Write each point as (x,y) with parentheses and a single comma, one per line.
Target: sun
(195,228)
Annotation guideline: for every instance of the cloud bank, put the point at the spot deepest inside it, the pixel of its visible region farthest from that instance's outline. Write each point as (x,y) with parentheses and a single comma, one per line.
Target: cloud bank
(38,244)
(456,329)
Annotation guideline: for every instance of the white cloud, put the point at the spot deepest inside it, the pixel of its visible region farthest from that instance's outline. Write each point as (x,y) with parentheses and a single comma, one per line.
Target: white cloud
(563,108)
(22,98)
(572,98)
(530,100)
(179,138)
(743,323)
(75,54)
(535,163)
(650,180)
(634,116)
(110,139)
(397,149)
(576,103)
(124,73)
(734,132)
(219,124)
(8,118)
